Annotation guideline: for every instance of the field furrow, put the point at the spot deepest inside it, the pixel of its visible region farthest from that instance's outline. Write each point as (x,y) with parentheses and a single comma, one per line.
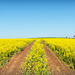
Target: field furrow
(14,65)
(57,67)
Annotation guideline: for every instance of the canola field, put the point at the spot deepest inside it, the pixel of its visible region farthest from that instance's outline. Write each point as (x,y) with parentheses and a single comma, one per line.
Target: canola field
(8,47)
(64,49)
(36,62)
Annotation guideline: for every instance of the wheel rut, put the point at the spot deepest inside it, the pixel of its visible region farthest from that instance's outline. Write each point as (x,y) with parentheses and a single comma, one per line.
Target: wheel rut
(14,65)
(56,66)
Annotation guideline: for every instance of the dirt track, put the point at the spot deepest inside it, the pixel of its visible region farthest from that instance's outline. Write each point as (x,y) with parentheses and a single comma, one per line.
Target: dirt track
(13,66)
(56,66)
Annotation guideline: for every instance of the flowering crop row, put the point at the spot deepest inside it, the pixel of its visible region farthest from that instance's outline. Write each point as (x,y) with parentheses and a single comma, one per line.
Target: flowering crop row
(36,62)
(9,47)
(64,49)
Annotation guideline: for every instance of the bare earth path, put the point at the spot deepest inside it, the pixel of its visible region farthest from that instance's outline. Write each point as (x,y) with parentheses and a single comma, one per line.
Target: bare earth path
(13,66)
(56,66)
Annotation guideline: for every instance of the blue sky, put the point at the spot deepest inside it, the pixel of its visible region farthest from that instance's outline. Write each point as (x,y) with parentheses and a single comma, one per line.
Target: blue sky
(37,18)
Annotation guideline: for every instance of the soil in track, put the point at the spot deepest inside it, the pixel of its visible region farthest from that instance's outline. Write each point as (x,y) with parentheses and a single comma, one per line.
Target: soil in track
(56,66)
(14,65)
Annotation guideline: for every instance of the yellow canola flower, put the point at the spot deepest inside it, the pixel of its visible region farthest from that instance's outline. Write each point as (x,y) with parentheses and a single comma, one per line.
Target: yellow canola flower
(37,60)
(8,47)
(64,49)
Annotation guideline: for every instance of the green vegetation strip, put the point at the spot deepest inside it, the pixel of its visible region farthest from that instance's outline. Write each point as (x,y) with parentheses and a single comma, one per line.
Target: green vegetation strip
(36,62)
